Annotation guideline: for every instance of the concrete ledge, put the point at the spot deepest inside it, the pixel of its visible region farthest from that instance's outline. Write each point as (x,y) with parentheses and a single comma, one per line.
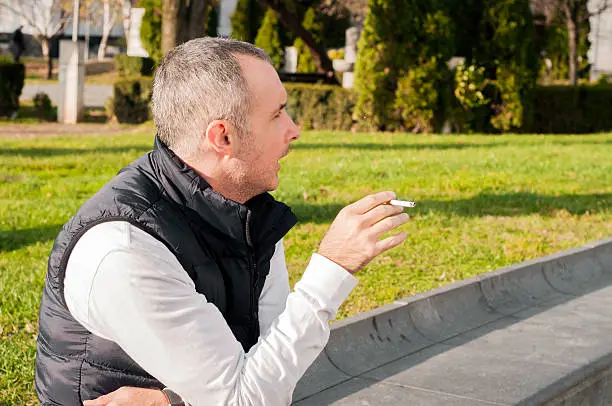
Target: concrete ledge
(468,323)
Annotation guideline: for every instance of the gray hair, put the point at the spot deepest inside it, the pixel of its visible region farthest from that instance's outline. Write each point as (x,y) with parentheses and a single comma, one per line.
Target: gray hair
(198,82)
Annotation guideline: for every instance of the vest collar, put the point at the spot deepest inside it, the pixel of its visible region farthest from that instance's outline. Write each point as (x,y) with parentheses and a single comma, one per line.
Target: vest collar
(259,223)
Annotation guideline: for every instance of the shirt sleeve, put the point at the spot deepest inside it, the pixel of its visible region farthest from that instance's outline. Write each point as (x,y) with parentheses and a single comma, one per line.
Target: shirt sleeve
(273,297)
(148,305)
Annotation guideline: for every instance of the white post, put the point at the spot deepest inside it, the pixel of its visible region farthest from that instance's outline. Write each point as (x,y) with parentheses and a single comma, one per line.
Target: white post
(75,21)
(72,81)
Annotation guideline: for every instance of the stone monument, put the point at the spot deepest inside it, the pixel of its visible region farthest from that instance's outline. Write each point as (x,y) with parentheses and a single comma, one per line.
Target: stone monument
(347,65)
(134,43)
(72,81)
(291,60)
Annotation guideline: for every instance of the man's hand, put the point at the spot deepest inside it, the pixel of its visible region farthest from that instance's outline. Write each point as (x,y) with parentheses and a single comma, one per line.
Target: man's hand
(353,239)
(128,395)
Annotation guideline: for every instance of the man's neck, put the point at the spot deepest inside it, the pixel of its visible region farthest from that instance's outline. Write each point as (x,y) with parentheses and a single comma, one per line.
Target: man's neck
(221,182)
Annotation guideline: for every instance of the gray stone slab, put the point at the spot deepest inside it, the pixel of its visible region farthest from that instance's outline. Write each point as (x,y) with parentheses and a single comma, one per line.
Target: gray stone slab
(466,371)
(603,253)
(318,377)
(367,343)
(575,272)
(535,342)
(590,312)
(366,392)
(451,311)
(516,287)
(594,390)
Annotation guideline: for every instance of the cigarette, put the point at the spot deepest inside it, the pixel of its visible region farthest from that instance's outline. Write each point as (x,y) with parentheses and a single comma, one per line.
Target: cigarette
(402,203)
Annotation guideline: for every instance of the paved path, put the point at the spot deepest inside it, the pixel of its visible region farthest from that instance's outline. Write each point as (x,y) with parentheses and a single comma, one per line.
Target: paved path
(95,95)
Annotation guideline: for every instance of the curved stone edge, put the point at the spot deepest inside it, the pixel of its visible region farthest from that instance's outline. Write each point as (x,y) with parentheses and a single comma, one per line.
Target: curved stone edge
(371,339)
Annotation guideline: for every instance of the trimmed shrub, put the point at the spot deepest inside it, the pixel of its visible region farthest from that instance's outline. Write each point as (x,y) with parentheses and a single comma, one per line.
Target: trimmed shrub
(268,38)
(131,101)
(129,66)
(389,54)
(321,107)
(43,107)
(507,51)
(12,78)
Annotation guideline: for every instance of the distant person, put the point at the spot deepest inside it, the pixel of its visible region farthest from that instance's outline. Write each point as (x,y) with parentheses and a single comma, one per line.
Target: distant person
(17,44)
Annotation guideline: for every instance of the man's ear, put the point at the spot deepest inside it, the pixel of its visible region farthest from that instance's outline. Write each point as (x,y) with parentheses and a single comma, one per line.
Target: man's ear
(218,136)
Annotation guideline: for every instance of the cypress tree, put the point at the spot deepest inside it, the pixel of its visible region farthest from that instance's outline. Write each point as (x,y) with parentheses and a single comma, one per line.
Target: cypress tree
(313,24)
(150,32)
(268,38)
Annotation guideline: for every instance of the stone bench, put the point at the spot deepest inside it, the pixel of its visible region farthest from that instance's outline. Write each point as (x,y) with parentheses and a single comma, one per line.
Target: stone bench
(539,332)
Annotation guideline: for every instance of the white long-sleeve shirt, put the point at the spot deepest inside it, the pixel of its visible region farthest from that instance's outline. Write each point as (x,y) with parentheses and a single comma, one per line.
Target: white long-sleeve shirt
(125,286)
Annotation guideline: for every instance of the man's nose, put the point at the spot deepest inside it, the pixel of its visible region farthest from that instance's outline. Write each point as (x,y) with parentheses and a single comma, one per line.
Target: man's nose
(294,132)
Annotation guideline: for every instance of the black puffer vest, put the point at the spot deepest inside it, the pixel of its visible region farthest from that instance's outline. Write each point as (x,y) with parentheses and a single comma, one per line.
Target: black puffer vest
(225,247)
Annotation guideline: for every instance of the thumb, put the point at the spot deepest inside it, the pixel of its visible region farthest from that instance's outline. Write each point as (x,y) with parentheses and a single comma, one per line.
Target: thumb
(101,401)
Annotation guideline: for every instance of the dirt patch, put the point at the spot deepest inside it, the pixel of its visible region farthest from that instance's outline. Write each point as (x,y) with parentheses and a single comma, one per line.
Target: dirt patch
(25,131)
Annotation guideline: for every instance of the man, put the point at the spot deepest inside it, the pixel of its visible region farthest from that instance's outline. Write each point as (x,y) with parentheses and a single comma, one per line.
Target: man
(17,45)
(173,275)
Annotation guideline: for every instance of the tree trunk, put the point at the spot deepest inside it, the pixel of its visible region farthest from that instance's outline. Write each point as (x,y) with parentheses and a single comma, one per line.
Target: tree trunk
(106,28)
(571,17)
(126,10)
(45,44)
(192,17)
(291,22)
(170,9)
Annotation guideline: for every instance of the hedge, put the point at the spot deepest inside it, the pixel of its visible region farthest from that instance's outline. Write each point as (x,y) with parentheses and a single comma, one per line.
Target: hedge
(129,66)
(12,78)
(321,107)
(558,109)
(572,110)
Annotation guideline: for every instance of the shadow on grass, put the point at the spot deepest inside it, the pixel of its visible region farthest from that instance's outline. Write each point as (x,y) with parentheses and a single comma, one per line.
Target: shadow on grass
(484,204)
(398,147)
(27,114)
(50,152)
(447,146)
(11,240)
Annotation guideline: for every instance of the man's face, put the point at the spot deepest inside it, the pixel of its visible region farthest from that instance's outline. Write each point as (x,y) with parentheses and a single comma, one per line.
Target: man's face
(272,130)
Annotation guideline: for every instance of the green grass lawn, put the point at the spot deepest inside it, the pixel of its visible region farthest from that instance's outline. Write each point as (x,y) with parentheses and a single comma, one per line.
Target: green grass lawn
(483,202)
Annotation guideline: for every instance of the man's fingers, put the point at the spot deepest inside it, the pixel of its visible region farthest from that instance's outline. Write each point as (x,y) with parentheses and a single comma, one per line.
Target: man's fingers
(369,202)
(390,242)
(380,212)
(388,224)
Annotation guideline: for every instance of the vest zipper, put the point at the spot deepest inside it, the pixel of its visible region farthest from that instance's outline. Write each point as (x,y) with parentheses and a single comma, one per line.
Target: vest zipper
(253,276)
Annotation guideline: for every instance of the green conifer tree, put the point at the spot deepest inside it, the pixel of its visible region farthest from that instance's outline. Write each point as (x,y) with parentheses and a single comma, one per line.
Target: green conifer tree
(268,38)
(314,24)
(150,31)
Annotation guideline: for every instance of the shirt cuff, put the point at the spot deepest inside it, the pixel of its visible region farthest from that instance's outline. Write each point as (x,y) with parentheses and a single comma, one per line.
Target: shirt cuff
(326,282)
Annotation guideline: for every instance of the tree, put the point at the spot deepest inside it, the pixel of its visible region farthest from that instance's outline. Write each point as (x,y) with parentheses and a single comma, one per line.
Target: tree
(573,13)
(150,31)
(47,18)
(268,38)
(246,20)
(111,10)
(506,49)
(389,55)
(313,24)
(183,20)
(290,20)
